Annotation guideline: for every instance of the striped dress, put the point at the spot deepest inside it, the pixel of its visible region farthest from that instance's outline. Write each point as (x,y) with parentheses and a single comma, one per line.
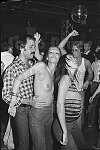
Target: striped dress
(72,104)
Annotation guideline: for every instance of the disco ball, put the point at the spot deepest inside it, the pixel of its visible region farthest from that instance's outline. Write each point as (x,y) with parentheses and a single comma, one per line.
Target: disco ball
(79,14)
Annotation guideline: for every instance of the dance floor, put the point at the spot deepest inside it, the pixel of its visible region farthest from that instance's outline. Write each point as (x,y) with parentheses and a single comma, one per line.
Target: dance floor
(90,136)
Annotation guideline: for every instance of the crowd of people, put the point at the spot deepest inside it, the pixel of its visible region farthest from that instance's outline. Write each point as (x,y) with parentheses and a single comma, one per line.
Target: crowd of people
(29,90)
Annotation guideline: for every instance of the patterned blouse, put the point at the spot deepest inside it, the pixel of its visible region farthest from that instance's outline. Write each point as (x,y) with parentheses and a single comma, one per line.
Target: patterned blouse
(72,104)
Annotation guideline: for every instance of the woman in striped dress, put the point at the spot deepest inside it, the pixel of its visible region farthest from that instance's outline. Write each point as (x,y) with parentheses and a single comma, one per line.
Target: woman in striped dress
(65,127)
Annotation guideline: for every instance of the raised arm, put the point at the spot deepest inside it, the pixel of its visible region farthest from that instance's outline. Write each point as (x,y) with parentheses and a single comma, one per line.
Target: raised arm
(63,88)
(37,53)
(64,41)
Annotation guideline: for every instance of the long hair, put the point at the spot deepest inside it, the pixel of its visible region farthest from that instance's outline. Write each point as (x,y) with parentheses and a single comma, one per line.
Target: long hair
(60,69)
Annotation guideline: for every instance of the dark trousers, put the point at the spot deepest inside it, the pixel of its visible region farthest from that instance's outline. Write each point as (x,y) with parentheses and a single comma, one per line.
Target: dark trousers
(94,112)
(21,127)
(75,137)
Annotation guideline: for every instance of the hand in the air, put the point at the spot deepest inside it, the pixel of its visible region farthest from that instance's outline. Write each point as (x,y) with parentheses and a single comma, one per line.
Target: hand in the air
(37,37)
(74,33)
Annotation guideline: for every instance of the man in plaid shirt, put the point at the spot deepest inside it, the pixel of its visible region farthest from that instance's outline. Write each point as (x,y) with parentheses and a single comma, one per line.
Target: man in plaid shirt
(28,47)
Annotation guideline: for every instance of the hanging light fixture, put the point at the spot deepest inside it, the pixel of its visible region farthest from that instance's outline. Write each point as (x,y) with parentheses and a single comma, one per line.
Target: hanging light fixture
(79,14)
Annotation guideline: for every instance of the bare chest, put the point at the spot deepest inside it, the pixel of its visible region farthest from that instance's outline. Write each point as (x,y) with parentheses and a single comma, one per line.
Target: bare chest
(44,81)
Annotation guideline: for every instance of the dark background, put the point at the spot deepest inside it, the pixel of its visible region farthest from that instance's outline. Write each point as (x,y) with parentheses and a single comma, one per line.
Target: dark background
(20,16)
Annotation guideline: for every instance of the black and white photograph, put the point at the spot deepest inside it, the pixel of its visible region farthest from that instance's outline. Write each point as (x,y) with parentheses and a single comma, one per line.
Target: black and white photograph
(50,75)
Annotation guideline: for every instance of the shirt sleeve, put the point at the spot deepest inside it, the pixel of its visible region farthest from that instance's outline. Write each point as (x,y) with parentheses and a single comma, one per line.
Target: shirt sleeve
(8,82)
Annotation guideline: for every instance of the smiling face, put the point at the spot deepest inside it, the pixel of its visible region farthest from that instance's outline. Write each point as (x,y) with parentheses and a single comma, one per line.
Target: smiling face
(54,55)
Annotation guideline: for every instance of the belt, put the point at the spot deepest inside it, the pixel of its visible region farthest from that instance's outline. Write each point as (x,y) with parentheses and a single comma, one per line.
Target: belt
(24,105)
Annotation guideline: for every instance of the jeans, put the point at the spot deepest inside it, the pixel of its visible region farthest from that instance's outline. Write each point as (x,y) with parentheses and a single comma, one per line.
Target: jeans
(20,127)
(75,137)
(94,112)
(41,122)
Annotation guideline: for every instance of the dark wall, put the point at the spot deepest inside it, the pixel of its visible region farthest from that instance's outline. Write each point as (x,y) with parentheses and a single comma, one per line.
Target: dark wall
(15,22)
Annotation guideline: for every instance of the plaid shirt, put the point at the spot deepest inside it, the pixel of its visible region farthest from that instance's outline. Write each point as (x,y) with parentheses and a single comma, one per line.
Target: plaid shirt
(26,86)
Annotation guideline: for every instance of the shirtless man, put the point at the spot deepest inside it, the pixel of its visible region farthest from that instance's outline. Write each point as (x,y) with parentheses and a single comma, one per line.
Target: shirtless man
(41,115)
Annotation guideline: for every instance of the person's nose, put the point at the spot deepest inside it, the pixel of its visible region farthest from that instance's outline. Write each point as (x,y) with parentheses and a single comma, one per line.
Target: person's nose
(33,49)
(53,54)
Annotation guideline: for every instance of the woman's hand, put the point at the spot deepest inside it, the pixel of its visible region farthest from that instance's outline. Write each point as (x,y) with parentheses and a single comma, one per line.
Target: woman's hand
(65,139)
